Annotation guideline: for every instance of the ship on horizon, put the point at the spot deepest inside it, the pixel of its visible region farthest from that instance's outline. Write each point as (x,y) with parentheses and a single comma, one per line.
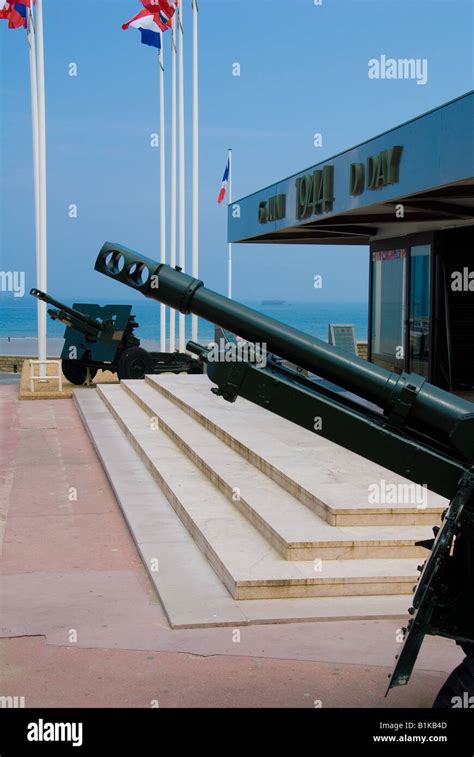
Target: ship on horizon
(273,302)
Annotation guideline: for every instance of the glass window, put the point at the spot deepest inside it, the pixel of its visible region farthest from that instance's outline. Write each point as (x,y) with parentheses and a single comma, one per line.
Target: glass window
(419,317)
(388,308)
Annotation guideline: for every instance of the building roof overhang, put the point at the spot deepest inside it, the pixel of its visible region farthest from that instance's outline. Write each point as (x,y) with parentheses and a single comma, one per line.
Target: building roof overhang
(416,177)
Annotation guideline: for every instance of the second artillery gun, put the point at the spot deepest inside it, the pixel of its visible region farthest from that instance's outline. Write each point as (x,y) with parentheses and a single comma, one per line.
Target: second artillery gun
(410,427)
(101,337)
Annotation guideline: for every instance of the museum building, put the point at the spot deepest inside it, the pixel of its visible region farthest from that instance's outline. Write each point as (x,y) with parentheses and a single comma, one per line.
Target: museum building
(409,195)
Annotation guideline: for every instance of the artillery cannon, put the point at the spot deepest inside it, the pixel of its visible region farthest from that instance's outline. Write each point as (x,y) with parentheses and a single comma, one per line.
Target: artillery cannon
(101,337)
(410,427)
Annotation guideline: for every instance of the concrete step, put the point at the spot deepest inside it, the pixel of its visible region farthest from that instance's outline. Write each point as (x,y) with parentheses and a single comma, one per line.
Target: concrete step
(247,565)
(333,482)
(189,590)
(295,531)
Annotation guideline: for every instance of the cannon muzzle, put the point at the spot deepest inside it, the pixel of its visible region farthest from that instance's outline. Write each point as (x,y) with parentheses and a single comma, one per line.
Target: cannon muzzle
(69,316)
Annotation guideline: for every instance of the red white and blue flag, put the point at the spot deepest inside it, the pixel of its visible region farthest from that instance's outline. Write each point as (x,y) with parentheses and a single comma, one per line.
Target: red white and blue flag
(14,13)
(162,10)
(149,29)
(155,18)
(225,182)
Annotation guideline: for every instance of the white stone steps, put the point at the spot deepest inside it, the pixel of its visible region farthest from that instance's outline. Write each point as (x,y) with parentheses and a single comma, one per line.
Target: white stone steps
(330,480)
(189,589)
(190,592)
(248,566)
(293,529)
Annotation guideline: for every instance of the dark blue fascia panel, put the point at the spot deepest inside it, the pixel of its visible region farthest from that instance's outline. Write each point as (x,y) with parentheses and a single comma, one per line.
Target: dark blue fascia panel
(437,150)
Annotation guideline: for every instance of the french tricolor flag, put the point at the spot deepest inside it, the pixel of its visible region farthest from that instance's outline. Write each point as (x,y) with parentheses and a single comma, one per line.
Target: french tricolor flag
(225,181)
(149,29)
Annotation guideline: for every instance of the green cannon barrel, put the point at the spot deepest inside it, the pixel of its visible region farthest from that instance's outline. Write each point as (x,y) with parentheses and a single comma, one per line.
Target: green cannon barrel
(69,316)
(406,399)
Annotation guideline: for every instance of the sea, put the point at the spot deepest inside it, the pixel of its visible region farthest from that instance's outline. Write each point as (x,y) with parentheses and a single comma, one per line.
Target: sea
(18,322)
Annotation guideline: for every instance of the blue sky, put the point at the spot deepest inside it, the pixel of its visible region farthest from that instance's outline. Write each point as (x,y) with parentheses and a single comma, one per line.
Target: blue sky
(303,70)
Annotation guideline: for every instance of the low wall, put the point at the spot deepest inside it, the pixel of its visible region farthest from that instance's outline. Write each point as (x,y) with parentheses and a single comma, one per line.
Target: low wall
(362,349)
(12,363)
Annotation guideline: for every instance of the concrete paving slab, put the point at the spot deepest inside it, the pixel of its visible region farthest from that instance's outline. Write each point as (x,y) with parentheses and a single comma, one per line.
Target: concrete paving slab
(74,677)
(119,610)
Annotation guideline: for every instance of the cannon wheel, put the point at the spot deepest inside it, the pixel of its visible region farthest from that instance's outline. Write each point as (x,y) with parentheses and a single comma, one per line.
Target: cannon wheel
(76,372)
(458,691)
(135,363)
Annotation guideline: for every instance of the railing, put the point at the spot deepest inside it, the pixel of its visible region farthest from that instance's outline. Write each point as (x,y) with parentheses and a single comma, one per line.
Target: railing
(55,376)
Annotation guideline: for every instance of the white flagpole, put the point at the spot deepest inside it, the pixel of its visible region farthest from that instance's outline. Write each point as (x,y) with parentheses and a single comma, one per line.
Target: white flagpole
(182,176)
(34,120)
(162,190)
(195,226)
(172,313)
(229,265)
(42,265)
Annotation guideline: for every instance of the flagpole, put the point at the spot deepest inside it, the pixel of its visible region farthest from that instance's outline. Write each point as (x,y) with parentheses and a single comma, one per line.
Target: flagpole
(34,121)
(42,264)
(195,223)
(229,264)
(182,216)
(162,190)
(173,214)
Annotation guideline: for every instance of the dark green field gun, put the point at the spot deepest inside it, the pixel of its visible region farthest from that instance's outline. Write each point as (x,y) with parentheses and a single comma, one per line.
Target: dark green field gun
(101,337)
(410,427)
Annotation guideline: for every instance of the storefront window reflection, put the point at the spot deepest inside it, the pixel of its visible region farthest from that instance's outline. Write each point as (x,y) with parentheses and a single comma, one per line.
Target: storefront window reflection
(388,308)
(419,317)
